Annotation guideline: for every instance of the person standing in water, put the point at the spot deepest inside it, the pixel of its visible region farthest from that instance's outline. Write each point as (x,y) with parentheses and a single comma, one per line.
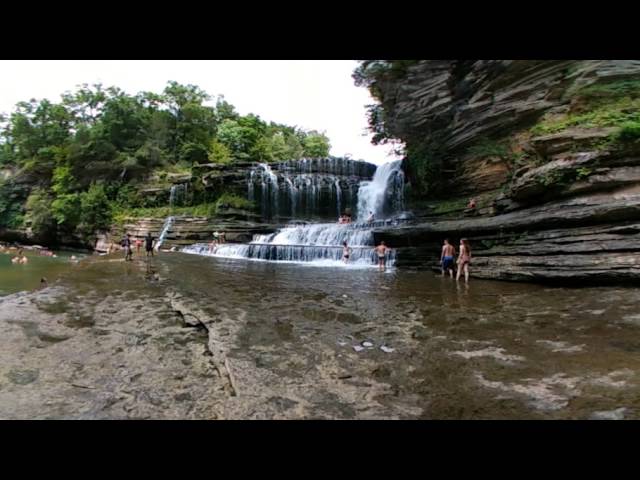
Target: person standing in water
(447,257)
(138,245)
(464,258)
(126,243)
(346,252)
(148,244)
(381,251)
(370,218)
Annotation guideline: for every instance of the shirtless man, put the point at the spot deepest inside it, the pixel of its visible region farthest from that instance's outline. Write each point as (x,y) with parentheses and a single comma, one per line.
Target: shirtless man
(446,258)
(381,251)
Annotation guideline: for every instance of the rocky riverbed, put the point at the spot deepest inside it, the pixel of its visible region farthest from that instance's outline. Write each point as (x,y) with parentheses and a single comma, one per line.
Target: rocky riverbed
(190,337)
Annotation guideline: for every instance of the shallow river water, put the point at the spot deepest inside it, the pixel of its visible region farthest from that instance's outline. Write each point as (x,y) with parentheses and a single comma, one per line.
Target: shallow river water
(489,350)
(486,350)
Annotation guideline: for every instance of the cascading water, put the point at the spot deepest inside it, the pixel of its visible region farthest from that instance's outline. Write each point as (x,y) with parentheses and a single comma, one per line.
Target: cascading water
(319,189)
(319,243)
(165,229)
(384,195)
(178,193)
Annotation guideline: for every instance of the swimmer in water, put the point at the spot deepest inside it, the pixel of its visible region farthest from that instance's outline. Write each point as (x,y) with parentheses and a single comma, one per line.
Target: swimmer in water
(346,252)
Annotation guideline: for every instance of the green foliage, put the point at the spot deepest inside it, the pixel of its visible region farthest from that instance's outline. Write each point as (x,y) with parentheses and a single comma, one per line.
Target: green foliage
(554,177)
(583,172)
(65,209)
(316,145)
(219,153)
(39,213)
(606,92)
(96,210)
(233,201)
(194,153)
(450,206)
(629,131)
(488,148)
(614,114)
(11,203)
(84,159)
(209,209)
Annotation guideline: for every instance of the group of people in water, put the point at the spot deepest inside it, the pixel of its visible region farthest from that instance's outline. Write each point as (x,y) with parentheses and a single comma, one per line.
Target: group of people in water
(380,251)
(149,244)
(346,218)
(447,258)
(21,258)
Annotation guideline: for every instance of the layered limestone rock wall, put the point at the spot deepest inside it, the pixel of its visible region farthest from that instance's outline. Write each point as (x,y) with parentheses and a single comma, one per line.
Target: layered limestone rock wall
(549,149)
(186,230)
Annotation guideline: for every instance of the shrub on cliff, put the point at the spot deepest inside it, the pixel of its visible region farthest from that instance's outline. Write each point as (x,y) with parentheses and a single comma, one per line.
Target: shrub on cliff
(629,132)
(95,210)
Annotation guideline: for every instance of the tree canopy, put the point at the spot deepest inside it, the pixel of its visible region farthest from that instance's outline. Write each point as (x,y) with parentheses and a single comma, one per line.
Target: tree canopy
(71,158)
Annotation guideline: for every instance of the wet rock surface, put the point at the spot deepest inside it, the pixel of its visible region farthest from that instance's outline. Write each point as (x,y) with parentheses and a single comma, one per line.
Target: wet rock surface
(191,337)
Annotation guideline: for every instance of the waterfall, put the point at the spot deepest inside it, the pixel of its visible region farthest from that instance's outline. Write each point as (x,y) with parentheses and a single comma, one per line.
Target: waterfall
(319,244)
(384,194)
(163,233)
(313,187)
(178,193)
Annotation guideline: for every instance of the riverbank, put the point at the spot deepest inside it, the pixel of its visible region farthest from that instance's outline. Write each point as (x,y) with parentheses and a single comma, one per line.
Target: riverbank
(183,336)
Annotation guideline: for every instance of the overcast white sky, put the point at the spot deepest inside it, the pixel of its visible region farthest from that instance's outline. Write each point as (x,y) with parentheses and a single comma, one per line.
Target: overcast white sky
(312,94)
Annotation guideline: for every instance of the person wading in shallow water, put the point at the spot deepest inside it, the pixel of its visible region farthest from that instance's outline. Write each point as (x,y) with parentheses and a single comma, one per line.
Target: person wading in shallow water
(148,244)
(381,251)
(346,252)
(126,243)
(464,258)
(447,257)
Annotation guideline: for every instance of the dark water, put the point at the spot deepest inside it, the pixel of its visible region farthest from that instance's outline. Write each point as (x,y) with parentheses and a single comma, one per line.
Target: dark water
(489,350)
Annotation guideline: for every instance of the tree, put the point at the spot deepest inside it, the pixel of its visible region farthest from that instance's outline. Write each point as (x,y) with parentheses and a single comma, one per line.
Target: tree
(39,214)
(316,145)
(96,210)
(219,153)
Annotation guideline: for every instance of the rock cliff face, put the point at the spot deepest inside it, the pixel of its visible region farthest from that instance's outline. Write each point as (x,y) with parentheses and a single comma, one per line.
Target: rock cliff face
(549,149)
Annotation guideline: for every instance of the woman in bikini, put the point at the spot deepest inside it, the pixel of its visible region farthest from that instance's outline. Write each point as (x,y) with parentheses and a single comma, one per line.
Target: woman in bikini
(464,258)
(346,252)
